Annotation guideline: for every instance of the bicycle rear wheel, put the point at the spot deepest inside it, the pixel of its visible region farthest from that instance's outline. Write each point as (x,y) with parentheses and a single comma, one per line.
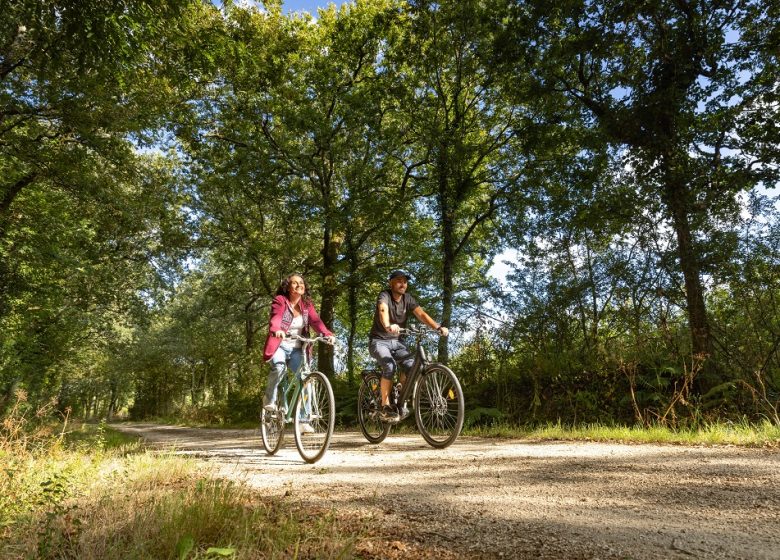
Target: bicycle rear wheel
(438,406)
(272,430)
(315,417)
(369,405)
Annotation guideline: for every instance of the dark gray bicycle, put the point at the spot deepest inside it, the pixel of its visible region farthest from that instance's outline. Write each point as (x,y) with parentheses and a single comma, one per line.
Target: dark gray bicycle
(433,391)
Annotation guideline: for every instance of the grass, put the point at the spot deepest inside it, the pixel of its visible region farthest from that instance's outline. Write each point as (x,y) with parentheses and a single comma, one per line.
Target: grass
(163,507)
(87,492)
(745,434)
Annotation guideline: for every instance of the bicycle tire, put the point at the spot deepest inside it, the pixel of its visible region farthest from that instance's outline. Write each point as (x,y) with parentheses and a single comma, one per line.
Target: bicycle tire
(321,416)
(369,405)
(272,430)
(438,406)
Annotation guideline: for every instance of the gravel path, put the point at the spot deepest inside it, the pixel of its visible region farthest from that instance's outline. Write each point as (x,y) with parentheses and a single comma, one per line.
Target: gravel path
(488,498)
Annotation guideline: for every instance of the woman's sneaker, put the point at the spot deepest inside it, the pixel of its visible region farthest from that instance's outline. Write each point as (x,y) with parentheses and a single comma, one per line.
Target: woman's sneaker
(307,429)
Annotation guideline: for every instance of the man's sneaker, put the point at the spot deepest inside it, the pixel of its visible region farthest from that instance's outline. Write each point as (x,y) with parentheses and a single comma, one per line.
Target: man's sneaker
(389,415)
(307,429)
(404,412)
(270,407)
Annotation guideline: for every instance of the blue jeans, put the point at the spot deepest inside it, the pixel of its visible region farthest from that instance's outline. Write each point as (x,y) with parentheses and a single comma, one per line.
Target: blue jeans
(280,361)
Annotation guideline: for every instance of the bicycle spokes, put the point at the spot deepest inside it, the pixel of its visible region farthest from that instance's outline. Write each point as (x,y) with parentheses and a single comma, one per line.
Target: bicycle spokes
(315,416)
(369,401)
(439,406)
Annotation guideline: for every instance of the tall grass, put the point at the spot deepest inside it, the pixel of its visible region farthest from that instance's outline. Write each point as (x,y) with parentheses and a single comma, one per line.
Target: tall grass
(89,493)
(765,434)
(167,508)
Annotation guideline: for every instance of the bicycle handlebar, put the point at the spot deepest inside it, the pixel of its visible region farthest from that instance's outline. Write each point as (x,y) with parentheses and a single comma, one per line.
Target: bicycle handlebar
(418,331)
(324,339)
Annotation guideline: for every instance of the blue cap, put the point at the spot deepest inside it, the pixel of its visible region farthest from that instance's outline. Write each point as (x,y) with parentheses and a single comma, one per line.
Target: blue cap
(397,273)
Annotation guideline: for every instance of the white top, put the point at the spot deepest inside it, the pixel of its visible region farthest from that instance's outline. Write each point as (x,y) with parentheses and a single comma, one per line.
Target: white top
(296,327)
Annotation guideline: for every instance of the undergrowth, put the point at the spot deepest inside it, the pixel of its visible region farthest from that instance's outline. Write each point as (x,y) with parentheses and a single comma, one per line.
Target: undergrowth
(764,434)
(85,491)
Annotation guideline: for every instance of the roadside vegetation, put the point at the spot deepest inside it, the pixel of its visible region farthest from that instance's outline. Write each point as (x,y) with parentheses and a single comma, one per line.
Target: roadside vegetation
(83,490)
(86,491)
(764,434)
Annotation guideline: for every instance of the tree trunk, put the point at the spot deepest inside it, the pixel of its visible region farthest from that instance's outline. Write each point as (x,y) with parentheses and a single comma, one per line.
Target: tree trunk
(676,197)
(329,297)
(448,257)
(352,305)
(112,400)
(447,293)
(11,192)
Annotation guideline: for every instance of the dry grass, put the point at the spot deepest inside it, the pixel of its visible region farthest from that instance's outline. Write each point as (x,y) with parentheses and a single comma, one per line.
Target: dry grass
(91,494)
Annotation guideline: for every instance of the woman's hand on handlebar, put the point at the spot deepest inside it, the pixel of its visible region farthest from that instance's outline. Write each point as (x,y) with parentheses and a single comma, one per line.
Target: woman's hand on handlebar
(279,334)
(443,331)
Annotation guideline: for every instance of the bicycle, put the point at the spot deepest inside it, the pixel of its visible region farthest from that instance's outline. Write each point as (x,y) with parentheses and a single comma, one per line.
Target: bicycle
(315,405)
(433,389)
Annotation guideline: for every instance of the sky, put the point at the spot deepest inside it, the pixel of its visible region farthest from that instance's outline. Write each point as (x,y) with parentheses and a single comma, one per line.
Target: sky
(307,5)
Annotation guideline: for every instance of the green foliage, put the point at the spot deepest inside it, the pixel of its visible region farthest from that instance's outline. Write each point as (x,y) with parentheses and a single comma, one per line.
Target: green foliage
(764,434)
(58,503)
(478,417)
(164,164)
(86,221)
(345,394)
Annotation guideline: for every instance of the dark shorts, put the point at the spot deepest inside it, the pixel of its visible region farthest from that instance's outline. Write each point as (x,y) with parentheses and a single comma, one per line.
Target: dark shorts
(388,353)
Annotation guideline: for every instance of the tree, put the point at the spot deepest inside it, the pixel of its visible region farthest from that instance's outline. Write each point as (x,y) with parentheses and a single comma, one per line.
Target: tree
(75,197)
(464,133)
(657,78)
(291,143)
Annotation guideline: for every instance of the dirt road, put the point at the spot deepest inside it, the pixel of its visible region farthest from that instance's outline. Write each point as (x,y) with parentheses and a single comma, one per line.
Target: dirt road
(486,498)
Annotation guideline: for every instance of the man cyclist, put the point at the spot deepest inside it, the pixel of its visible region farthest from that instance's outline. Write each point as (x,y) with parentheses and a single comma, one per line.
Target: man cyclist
(393,307)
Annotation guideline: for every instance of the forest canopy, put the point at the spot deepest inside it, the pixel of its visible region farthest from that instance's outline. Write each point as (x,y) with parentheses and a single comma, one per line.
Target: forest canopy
(586,193)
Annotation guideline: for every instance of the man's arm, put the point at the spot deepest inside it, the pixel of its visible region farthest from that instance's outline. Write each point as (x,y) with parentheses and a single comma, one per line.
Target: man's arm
(384,318)
(420,313)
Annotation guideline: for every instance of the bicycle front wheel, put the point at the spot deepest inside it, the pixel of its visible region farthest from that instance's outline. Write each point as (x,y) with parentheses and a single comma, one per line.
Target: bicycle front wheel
(315,417)
(438,406)
(369,405)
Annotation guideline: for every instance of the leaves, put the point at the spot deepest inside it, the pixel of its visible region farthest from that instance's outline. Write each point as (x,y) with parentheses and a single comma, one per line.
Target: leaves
(164,164)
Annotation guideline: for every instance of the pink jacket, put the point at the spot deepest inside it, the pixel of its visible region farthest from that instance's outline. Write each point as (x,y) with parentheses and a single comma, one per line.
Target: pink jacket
(282,316)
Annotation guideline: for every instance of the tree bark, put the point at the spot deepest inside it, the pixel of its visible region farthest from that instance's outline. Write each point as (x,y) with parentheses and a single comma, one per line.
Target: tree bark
(329,297)
(676,197)
(449,249)
(352,310)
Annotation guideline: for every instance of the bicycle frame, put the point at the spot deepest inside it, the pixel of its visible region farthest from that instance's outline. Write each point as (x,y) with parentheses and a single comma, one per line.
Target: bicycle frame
(291,383)
(419,364)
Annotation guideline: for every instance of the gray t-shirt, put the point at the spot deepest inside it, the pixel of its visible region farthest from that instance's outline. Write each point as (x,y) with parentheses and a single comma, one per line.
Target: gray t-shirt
(399,313)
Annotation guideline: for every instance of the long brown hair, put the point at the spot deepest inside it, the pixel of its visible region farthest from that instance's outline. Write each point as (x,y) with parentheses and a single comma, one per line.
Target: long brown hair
(284,288)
